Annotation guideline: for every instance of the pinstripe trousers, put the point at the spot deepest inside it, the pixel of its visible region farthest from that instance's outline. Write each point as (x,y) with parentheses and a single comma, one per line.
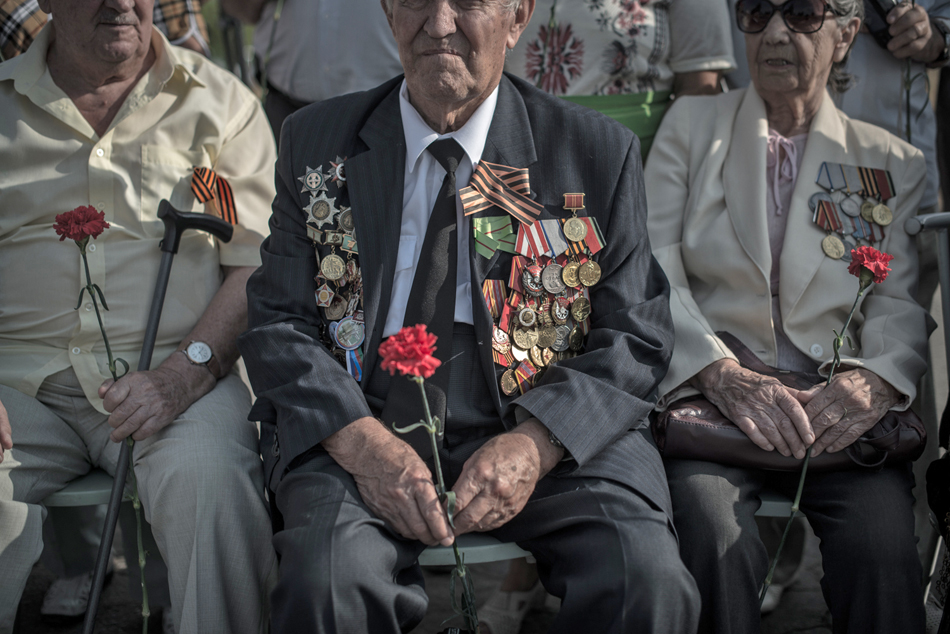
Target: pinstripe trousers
(200,481)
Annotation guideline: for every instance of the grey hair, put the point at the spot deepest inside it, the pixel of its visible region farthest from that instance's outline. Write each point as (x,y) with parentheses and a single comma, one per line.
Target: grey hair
(509,5)
(840,80)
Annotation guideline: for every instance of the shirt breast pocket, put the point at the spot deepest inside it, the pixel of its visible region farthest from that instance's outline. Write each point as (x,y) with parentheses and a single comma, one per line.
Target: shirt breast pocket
(166,174)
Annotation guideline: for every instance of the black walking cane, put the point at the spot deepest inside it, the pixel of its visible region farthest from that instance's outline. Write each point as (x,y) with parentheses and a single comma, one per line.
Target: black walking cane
(176,223)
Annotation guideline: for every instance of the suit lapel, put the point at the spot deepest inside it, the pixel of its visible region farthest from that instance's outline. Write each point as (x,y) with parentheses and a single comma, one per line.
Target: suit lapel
(509,142)
(744,184)
(801,253)
(375,181)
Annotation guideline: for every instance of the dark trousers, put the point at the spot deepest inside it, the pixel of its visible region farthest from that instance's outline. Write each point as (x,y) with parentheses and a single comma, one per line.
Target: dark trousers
(606,551)
(864,519)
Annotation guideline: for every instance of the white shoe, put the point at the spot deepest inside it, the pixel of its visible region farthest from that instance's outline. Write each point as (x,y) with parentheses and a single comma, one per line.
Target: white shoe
(504,611)
(773,596)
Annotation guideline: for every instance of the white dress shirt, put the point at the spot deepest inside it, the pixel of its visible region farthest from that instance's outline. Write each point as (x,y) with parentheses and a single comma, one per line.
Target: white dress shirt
(423,181)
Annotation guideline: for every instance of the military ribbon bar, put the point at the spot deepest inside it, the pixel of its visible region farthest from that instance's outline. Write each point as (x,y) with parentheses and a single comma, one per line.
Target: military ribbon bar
(525,375)
(595,239)
(494,292)
(502,186)
(214,190)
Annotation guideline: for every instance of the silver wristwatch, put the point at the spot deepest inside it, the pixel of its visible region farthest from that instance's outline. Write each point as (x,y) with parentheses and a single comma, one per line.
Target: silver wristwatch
(200,353)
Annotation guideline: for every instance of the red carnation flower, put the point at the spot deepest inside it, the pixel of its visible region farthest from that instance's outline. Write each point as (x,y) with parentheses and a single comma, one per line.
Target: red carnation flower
(868,264)
(410,352)
(80,224)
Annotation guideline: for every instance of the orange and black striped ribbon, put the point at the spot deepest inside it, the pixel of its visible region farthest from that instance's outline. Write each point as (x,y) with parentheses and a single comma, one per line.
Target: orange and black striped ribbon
(210,188)
(502,186)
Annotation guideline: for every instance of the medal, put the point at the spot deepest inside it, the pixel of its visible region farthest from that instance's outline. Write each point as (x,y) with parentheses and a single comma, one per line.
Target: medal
(536,357)
(524,339)
(547,355)
(562,342)
(816,198)
(580,309)
(589,273)
(321,209)
(574,229)
(551,279)
(333,267)
(851,207)
(867,211)
(569,274)
(848,247)
(336,310)
(345,222)
(336,173)
(500,340)
(882,215)
(349,333)
(527,317)
(531,280)
(509,385)
(576,339)
(833,247)
(560,310)
(313,180)
(547,336)
(324,296)
(518,353)
(567,354)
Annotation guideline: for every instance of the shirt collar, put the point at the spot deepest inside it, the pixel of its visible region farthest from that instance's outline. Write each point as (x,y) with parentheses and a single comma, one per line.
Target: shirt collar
(27,69)
(419,135)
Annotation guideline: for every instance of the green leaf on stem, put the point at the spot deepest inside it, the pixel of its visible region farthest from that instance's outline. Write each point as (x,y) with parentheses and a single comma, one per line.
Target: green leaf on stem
(79,303)
(125,367)
(101,296)
(450,507)
(405,430)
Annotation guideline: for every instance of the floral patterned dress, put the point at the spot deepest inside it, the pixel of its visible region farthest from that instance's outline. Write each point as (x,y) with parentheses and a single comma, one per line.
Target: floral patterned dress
(610,47)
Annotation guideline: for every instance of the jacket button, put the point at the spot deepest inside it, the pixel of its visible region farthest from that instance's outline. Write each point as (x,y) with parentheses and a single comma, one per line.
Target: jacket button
(817,350)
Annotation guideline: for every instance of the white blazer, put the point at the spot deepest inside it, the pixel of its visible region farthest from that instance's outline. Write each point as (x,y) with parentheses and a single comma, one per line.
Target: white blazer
(706,196)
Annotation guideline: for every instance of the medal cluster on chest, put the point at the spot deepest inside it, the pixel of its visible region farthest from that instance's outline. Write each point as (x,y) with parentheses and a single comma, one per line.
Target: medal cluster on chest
(339,290)
(851,208)
(542,314)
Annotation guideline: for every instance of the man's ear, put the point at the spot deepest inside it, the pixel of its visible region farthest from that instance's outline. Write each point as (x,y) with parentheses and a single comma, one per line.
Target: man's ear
(522,16)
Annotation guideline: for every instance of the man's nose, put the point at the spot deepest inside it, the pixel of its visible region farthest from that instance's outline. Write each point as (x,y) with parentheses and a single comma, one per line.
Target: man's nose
(440,22)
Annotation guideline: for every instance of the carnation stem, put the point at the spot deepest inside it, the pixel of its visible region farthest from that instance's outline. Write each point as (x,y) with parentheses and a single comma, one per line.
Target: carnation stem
(839,341)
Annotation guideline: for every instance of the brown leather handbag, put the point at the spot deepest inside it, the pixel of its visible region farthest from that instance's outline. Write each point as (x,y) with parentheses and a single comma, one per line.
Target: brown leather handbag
(692,428)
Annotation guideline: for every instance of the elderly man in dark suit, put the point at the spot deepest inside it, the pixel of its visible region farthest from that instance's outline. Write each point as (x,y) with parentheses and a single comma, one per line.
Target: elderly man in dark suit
(368,235)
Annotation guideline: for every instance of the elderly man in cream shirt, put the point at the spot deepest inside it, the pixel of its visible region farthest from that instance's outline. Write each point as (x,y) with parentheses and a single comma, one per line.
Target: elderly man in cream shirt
(102,111)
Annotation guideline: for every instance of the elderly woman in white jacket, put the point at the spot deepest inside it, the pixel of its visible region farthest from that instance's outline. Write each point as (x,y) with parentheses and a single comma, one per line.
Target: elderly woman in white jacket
(729,183)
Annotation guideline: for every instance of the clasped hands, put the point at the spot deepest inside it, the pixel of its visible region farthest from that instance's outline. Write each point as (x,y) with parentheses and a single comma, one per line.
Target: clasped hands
(773,416)
(396,484)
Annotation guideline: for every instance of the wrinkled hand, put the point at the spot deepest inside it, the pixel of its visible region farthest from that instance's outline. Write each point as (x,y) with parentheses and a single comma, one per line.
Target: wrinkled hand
(841,412)
(6,434)
(143,403)
(912,35)
(768,412)
(392,479)
(496,482)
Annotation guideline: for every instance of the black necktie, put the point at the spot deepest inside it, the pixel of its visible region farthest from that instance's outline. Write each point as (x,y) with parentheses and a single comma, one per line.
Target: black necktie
(431,302)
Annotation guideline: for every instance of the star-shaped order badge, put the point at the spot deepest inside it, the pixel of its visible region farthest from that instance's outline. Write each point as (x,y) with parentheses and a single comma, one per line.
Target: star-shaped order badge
(321,209)
(313,180)
(337,175)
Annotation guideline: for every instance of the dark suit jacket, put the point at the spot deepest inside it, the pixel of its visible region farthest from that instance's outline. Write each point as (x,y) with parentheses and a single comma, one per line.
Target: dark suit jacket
(591,403)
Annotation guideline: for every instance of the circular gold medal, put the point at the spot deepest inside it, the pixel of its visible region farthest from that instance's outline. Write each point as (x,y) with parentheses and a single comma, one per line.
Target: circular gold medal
(867,211)
(575,230)
(333,267)
(580,309)
(509,385)
(536,358)
(547,336)
(345,220)
(569,274)
(589,273)
(524,339)
(882,215)
(576,339)
(548,356)
(833,247)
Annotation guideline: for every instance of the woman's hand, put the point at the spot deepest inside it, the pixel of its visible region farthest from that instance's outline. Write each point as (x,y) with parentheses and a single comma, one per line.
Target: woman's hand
(841,412)
(767,411)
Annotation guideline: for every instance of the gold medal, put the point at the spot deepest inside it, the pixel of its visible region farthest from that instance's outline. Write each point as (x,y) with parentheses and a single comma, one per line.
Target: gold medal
(548,355)
(547,336)
(580,309)
(575,230)
(333,267)
(519,354)
(536,357)
(509,384)
(589,273)
(833,247)
(524,339)
(867,211)
(569,274)
(882,215)
(576,339)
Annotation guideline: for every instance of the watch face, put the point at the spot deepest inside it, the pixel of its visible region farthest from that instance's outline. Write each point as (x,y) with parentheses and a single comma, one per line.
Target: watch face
(198,352)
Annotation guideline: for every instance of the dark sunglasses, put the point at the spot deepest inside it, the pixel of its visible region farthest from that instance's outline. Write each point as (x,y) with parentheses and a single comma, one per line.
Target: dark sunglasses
(800,16)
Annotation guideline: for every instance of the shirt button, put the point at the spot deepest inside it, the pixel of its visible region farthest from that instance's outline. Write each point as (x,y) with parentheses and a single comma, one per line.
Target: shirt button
(817,350)
(88,306)
(99,152)
(101,206)
(76,350)
(92,247)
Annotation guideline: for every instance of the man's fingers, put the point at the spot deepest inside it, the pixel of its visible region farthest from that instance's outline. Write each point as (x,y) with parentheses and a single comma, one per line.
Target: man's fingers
(470,518)
(435,523)
(752,431)
(796,416)
(127,426)
(114,395)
